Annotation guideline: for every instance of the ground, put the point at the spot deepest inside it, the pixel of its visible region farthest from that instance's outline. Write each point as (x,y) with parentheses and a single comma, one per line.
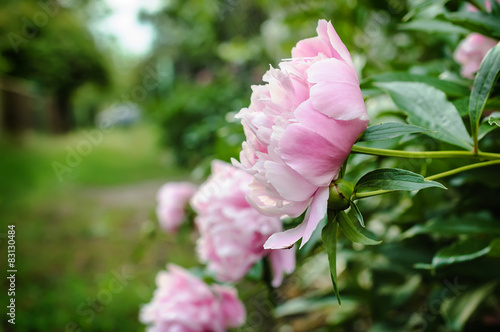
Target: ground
(87,247)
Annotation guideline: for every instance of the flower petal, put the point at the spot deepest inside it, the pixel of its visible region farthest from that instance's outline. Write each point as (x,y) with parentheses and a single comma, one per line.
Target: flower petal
(285,239)
(315,213)
(332,70)
(282,261)
(289,184)
(340,101)
(311,155)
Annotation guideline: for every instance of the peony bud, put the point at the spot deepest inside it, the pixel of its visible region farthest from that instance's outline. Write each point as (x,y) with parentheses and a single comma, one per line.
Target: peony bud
(340,194)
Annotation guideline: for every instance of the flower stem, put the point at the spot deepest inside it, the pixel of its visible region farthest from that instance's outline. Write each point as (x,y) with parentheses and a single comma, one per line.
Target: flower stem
(462,169)
(430,178)
(425,154)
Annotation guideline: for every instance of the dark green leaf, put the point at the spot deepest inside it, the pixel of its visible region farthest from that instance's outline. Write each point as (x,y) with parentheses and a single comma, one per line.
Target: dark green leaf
(432,26)
(495,248)
(357,214)
(352,233)
(488,125)
(383,131)
(470,224)
(371,92)
(419,7)
(329,236)
(460,251)
(394,179)
(428,108)
(484,23)
(483,85)
(495,8)
(462,106)
(457,311)
(450,88)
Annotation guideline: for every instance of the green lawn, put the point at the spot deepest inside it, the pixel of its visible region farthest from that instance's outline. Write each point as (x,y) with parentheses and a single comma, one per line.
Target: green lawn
(87,250)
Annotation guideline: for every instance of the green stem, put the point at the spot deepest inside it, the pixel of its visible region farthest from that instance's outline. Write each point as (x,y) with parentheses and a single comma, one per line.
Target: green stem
(425,154)
(462,169)
(430,178)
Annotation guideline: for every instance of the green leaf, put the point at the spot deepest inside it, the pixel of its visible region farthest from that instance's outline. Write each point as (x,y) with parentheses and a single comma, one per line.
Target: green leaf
(495,8)
(352,233)
(460,251)
(255,273)
(488,125)
(432,26)
(357,213)
(383,131)
(483,85)
(329,236)
(483,23)
(471,224)
(462,105)
(479,4)
(302,305)
(448,87)
(457,311)
(495,248)
(428,108)
(394,179)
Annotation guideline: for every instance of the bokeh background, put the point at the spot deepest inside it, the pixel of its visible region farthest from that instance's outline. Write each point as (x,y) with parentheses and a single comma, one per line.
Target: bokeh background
(103,101)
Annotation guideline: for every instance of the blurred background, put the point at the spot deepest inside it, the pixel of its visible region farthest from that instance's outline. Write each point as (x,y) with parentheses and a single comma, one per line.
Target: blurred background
(102,101)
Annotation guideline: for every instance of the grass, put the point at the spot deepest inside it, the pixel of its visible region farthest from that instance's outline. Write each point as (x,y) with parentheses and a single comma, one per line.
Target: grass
(77,234)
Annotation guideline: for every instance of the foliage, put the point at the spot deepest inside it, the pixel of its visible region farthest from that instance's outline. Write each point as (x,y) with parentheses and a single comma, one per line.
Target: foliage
(434,263)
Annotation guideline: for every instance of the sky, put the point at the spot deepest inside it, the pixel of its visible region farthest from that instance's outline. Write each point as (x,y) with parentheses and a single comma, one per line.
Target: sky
(132,35)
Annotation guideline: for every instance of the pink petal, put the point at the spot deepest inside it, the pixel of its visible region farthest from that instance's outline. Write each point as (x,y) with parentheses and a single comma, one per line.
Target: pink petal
(232,308)
(332,70)
(285,239)
(271,207)
(318,122)
(327,42)
(282,261)
(316,212)
(311,47)
(311,155)
(335,40)
(341,101)
(289,184)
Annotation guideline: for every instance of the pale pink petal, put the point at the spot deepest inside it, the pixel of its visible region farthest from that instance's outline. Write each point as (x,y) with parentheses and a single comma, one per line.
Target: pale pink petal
(311,155)
(273,207)
(318,122)
(332,70)
(288,182)
(327,42)
(336,42)
(231,307)
(282,261)
(311,47)
(285,239)
(316,212)
(340,101)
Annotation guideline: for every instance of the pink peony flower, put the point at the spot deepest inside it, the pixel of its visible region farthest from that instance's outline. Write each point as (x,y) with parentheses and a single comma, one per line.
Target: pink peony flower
(232,232)
(173,198)
(184,303)
(472,50)
(300,128)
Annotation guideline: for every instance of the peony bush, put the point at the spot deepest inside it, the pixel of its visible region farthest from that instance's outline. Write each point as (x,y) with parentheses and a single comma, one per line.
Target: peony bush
(310,157)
